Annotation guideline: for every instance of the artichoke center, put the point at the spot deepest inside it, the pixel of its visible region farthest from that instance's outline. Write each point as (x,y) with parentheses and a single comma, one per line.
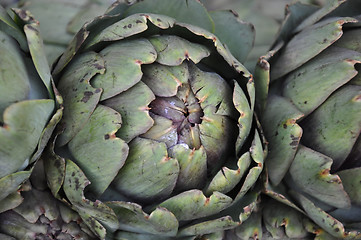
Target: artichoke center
(185,114)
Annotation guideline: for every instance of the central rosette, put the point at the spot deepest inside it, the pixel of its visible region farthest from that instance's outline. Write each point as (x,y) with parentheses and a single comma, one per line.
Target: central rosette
(197,112)
(185,114)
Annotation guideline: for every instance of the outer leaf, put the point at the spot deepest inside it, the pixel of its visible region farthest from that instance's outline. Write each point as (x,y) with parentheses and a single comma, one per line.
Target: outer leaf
(351,180)
(80,98)
(329,70)
(227,219)
(294,16)
(11,201)
(276,215)
(311,172)
(19,131)
(36,204)
(221,49)
(262,80)
(328,7)
(130,26)
(132,218)
(252,228)
(237,35)
(19,227)
(342,109)
(307,44)
(206,227)
(190,11)
(36,48)
(54,169)
(351,217)
(7,24)
(331,225)
(283,135)
(10,183)
(43,10)
(193,204)
(350,40)
(123,235)
(95,214)
(13,67)
(279,193)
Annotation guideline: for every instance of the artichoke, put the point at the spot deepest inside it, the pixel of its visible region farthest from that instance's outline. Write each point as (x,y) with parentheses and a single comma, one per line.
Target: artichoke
(159,139)
(41,216)
(27,103)
(312,120)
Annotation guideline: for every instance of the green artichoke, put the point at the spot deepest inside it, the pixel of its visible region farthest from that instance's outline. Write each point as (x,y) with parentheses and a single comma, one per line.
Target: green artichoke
(159,138)
(312,120)
(27,103)
(41,216)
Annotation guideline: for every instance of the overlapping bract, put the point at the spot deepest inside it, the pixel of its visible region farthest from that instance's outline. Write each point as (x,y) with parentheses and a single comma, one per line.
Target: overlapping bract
(27,103)
(312,121)
(61,19)
(158,123)
(41,215)
(265,15)
(159,138)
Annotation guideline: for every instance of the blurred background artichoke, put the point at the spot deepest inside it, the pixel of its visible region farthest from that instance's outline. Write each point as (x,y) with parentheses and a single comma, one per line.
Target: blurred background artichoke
(312,119)
(28,107)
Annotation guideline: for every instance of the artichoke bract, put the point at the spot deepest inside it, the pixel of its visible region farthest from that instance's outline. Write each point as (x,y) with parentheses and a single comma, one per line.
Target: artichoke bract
(312,118)
(68,17)
(159,137)
(41,216)
(27,103)
(266,16)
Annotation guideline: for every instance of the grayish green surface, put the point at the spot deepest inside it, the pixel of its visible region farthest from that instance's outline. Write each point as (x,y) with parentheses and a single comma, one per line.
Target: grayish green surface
(157,125)
(40,215)
(312,119)
(27,105)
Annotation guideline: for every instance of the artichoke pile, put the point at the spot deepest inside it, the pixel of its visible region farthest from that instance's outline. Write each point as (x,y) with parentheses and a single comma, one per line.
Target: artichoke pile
(158,124)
